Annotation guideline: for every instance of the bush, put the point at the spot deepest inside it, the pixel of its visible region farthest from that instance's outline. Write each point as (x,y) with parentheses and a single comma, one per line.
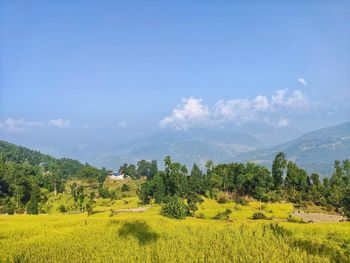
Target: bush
(89,209)
(259,215)
(201,216)
(237,208)
(125,188)
(241,201)
(113,195)
(222,198)
(223,215)
(103,192)
(62,209)
(174,208)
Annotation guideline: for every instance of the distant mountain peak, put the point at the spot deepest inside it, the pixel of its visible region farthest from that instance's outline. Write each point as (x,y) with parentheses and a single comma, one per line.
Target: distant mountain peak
(315,151)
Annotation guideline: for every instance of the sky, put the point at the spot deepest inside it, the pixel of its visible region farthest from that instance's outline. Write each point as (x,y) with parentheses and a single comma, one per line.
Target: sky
(77,73)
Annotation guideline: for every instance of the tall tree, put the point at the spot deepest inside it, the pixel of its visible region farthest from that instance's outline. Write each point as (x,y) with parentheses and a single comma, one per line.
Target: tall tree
(153,169)
(196,180)
(33,204)
(278,166)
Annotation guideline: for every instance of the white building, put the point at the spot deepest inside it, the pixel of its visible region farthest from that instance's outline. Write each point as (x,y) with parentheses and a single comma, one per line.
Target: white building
(116,176)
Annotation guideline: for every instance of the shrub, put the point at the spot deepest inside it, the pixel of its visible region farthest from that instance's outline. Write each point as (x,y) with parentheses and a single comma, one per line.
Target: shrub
(237,208)
(241,201)
(62,209)
(259,215)
(200,215)
(113,195)
(174,208)
(103,192)
(89,209)
(222,198)
(223,215)
(125,188)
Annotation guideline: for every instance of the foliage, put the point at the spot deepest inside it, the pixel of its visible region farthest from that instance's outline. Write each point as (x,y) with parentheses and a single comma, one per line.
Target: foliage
(28,177)
(33,204)
(222,198)
(258,216)
(62,209)
(223,215)
(125,188)
(278,165)
(175,208)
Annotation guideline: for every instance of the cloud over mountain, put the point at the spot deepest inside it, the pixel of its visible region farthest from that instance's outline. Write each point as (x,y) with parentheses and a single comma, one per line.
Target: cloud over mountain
(275,111)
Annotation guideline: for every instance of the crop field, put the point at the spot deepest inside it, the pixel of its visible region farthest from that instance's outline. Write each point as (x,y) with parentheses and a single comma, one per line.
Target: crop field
(150,237)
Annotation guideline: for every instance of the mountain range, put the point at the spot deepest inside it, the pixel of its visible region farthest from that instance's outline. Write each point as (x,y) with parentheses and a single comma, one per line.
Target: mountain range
(187,147)
(314,151)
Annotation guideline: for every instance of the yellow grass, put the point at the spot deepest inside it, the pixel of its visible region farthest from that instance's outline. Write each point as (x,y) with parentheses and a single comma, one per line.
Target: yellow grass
(209,208)
(149,237)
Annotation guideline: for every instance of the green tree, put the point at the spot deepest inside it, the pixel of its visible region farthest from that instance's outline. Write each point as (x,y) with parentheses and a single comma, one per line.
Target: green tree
(153,169)
(346,201)
(175,208)
(196,180)
(146,192)
(278,166)
(74,193)
(159,187)
(81,197)
(101,178)
(33,204)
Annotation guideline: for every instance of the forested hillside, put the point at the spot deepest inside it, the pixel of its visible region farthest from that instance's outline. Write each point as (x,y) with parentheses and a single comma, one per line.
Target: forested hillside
(27,176)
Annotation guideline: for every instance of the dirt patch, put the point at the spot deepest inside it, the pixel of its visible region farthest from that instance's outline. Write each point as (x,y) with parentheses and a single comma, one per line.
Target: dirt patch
(135,210)
(318,217)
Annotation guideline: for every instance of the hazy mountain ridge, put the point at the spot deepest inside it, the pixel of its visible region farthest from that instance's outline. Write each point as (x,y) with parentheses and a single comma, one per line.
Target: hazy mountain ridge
(315,151)
(197,145)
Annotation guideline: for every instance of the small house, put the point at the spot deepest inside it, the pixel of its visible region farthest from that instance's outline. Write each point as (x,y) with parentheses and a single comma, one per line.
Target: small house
(116,176)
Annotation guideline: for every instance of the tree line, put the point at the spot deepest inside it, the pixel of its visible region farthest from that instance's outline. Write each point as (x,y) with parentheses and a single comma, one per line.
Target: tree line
(180,190)
(26,176)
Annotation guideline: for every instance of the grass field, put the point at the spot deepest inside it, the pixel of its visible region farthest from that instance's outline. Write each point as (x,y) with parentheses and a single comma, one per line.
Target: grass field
(149,237)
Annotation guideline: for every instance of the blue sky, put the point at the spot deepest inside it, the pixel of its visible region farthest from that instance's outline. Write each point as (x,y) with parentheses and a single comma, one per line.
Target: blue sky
(122,69)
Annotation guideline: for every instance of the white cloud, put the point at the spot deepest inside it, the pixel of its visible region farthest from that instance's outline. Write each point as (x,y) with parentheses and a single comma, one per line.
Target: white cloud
(284,122)
(261,109)
(302,81)
(18,125)
(60,123)
(261,103)
(192,111)
(122,124)
(295,102)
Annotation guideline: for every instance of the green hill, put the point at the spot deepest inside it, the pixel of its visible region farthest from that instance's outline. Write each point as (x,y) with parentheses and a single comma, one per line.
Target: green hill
(10,152)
